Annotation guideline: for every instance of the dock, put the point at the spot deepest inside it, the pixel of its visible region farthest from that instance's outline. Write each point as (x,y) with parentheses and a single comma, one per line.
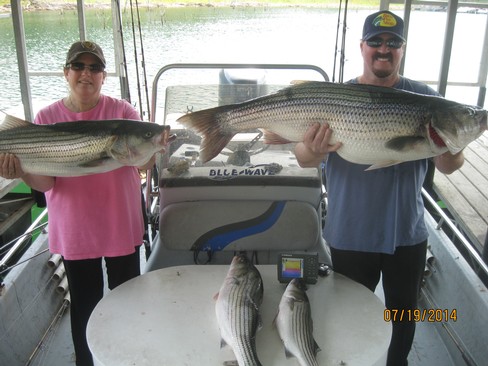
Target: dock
(465,193)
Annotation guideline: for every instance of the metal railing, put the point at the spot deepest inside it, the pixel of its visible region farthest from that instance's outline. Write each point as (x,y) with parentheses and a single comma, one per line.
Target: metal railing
(445,219)
(19,243)
(217,66)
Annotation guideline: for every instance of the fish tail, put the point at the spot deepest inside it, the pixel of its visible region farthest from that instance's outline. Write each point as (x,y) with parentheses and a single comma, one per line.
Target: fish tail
(214,129)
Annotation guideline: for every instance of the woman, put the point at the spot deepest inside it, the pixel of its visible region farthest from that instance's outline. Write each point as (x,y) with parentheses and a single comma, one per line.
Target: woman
(90,217)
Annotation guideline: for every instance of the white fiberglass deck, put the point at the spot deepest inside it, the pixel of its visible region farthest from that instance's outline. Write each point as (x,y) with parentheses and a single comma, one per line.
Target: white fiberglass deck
(167,317)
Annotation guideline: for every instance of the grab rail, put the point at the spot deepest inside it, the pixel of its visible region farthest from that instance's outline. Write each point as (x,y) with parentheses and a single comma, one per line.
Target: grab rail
(225,66)
(472,251)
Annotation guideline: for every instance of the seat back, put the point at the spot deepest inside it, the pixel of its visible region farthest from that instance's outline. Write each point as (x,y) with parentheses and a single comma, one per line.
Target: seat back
(214,212)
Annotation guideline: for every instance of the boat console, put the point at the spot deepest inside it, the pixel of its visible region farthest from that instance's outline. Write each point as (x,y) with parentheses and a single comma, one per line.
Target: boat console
(251,197)
(262,208)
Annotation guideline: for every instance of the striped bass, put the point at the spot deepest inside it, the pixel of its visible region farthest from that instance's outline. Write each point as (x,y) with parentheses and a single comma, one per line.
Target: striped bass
(295,326)
(377,126)
(237,310)
(81,147)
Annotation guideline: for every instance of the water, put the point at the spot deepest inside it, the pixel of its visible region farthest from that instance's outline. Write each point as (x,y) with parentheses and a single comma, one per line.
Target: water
(229,35)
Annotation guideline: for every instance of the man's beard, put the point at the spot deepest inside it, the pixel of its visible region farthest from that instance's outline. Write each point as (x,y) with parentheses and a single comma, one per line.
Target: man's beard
(382,73)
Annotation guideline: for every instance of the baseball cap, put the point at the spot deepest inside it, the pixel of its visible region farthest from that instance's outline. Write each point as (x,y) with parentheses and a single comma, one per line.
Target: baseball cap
(383,21)
(81,47)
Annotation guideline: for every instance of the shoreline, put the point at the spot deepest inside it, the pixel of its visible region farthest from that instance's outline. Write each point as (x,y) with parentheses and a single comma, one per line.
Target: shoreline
(62,6)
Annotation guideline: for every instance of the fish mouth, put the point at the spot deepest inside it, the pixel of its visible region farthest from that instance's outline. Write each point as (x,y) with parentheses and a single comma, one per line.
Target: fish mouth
(467,125)
(435,137)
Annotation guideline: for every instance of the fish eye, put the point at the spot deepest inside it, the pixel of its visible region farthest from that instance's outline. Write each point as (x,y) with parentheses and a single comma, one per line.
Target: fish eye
(148,134)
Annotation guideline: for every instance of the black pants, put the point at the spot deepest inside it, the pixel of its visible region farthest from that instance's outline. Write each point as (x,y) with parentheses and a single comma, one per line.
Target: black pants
(85,279)
(402,275)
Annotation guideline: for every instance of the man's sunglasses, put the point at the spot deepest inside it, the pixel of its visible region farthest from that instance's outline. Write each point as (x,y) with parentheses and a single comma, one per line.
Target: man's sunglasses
(390,43)
(80,66)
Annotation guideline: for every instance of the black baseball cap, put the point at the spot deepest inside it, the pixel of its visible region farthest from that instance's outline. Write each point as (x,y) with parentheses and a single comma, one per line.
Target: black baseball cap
(383,21)
(81,47)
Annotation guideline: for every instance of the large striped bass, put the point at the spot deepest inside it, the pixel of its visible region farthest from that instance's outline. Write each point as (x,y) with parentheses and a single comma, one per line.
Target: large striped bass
(237,310)
(377,126)
(81,147)
(295,326)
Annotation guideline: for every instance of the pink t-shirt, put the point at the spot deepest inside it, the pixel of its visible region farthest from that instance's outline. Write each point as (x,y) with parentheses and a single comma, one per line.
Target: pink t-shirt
(95,215)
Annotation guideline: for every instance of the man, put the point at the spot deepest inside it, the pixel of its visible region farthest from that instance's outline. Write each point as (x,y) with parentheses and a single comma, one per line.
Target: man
(375,224)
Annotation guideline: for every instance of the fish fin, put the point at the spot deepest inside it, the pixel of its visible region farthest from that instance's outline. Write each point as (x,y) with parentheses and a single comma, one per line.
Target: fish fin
(288,354)
(216,134)
(10,122)
(97,162)
(298,82)
(231,363)
(383,164)
(216,296)
(404,143)
(114,152)
(316,348)
(272,138)
(260,322)
(275,320)
(223,343)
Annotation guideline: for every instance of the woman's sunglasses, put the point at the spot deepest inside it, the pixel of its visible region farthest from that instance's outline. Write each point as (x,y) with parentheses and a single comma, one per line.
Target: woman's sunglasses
(80,66)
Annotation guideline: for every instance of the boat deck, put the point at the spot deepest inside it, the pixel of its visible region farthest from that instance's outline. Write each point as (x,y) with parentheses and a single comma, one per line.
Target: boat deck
(428,348)
(465,195)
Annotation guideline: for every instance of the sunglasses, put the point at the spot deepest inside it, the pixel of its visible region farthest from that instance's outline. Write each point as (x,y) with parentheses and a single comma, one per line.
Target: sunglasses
(80,66)
(390,43)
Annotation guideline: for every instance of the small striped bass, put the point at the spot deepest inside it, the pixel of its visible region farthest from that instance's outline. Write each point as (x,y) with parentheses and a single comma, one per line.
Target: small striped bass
(237,310)
(377,126)
(81,147)
(295,326)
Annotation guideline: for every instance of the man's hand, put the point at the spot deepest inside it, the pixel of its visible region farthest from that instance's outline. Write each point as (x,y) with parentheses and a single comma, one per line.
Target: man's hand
(315,146)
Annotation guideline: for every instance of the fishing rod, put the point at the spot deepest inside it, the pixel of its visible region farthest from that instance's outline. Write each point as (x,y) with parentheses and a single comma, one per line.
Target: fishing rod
(136,59)
(343,45)
(336,41)
(149,172)
(342,50)
(143,62)
(124,59)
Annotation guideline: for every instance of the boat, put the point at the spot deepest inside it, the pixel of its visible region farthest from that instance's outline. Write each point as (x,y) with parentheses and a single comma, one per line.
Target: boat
(245,181)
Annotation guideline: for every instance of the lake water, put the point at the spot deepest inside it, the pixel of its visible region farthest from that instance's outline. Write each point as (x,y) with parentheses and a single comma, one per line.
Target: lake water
(231,35)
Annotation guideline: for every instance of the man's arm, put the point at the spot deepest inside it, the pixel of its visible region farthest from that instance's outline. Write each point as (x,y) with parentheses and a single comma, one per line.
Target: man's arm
(448,163)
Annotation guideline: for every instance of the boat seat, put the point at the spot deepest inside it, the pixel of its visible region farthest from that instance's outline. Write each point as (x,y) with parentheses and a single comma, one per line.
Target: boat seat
(208,214)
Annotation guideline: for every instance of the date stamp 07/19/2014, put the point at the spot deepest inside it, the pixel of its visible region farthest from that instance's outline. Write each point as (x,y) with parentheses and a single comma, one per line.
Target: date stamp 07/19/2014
(420,315)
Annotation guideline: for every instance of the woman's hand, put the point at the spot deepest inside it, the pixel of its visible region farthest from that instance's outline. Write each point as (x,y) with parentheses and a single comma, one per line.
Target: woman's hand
(10,167)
